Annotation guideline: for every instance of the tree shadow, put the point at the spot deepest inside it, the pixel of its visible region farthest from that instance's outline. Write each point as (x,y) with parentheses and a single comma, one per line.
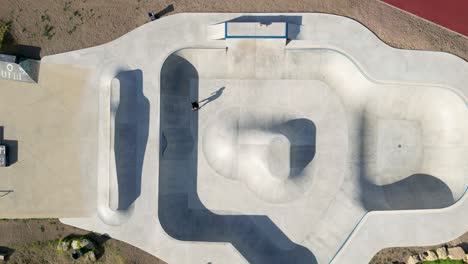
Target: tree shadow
(7,45)
(7,252)
(97,239)
(11,148)
(180,211)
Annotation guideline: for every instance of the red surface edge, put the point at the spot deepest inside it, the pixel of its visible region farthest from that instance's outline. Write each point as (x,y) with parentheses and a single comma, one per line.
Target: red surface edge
(452,14)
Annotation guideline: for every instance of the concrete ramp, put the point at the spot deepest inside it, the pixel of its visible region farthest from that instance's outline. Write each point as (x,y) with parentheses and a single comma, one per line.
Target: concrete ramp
(253,30)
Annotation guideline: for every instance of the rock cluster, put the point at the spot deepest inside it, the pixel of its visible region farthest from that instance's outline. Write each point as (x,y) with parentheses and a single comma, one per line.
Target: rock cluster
(77,248)
(455,253)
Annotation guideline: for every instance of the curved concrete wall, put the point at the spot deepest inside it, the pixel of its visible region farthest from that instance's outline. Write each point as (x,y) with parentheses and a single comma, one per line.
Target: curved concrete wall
(397,130)
(391,131)
(267,149)
(122,143)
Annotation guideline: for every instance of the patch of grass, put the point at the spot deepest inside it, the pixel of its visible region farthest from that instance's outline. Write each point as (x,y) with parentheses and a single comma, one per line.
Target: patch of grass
(72,30)
(67,6)
(48,31)
(45,17)
(444,261)
(113,255)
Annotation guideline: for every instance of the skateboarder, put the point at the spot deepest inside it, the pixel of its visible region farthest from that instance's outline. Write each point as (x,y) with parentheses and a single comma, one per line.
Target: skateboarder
(195,106)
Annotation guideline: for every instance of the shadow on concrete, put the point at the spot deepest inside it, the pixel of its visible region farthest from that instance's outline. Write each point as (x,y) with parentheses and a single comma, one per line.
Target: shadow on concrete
(180,211)
(131,136)
(11,148)
(418,191)
(302,134)
(291,32)
(212,97)
(266,20)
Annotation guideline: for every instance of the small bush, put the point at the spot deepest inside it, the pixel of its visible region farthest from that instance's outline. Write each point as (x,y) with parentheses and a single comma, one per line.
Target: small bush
(4,28)
(48,31)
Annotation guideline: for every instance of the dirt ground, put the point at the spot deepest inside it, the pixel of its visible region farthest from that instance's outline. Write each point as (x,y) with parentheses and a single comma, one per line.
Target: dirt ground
(34,242)
(64,25)
(400,255)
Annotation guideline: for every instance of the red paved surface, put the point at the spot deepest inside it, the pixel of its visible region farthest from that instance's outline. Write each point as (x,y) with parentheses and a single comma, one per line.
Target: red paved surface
(452,14)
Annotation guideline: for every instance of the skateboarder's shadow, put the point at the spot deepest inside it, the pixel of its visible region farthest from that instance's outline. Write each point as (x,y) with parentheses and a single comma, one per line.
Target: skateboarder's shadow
(212,97)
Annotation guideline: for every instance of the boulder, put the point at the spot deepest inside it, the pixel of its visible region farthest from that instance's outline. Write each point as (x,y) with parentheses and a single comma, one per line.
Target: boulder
(63,246)
(422,256)
(430,256)
(413,259)
(75,244)
(90,256)
(466,258)
(442,253)
(85,243)
(456,253)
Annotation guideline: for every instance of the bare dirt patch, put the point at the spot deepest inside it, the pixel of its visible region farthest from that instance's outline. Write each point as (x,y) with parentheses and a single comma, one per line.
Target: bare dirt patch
(34,241)
(63,25)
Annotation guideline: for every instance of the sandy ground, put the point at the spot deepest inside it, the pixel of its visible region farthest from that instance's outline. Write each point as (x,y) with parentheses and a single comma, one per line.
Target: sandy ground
(63,25)
(29,238)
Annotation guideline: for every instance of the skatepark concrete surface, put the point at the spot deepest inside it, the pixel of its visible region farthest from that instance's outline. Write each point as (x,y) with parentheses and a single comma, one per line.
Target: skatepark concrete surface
(314,142)
(50,130)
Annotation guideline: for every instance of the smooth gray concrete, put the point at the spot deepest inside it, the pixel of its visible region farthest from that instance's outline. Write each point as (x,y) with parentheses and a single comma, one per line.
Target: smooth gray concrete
(281,165)
(50,132)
